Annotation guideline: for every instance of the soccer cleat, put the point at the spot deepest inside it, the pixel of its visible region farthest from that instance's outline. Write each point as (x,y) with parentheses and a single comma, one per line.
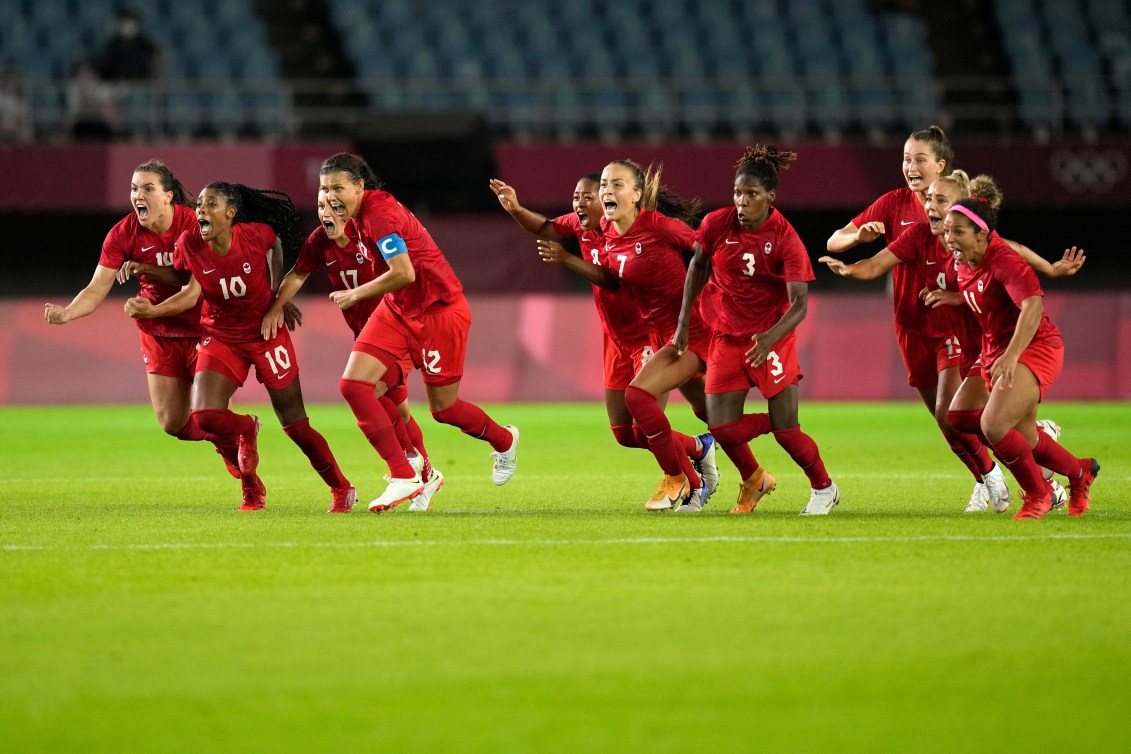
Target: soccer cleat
(249,450)
(760,484)
(396,493)
(1079,489)
(671,492)
(502,468)
(822,501)
(706,467)
(997,489)
(979,499)
(693,503)
(424,500)
(344,498)
(254,495)
(231,464)
(1059,495)
(1035,504)
(1052,429)
(417,463)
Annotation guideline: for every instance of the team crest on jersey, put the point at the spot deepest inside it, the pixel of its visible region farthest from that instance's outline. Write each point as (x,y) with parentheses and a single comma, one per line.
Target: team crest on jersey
(360,258)
(981,286)
(769,247)
(247,267)
(638,248)
(205,343)
(145,359)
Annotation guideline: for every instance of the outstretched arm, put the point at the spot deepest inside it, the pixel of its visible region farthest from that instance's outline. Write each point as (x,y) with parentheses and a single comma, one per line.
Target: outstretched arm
(537,224)
(866,269)
(182,300)
(552,251)
(87,300)
(274,318)
(849,236)
(1068,265)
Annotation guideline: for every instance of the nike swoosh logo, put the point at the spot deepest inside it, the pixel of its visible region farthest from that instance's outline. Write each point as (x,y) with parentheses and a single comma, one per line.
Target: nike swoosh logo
(730,241)
(284,374)
(929,262)
(209,272)
(332,261)
(146,248)
(906,222)
(779,379)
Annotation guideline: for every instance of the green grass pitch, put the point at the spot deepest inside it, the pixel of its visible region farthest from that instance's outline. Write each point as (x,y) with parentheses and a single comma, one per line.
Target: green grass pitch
(139,611)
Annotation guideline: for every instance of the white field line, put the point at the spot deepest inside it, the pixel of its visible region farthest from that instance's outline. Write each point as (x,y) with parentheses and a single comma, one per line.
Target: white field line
(563,542)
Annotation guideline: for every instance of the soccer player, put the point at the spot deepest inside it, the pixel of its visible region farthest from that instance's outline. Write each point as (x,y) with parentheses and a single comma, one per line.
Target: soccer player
(142,244)
(233,257)
(1022,354)
(424,317)
(349,264)
(644,251)
(626,344)
(956,331)
(754,273)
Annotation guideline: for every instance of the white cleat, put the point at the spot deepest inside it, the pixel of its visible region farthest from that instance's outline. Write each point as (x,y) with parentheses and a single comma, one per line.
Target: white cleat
(1059,495)
(398,491)
(997,489)
(822,501)
(424,500)
(416,462)
(503,466)
(706,467)
(693,503)
(979,499)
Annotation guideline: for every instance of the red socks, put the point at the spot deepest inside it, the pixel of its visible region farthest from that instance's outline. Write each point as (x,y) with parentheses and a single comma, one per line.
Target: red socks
(375,425)
(970,452)
(474,422)
(805,454)
(1014,452)
(314,446)
(1052,455)
(669,452)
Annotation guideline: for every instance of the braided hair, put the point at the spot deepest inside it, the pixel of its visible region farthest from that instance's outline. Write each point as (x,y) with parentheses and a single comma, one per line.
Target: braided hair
(763,162)
(937,139)
(960,180)
(656,196)
(353,166)
(169,182)
(271,207)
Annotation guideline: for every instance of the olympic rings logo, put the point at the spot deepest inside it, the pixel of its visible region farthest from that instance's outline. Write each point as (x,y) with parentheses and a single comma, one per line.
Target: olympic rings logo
(1088,170)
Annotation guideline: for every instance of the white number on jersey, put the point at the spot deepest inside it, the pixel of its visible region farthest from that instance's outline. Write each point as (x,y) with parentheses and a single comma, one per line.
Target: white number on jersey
(969,296)
(593,254)
(349,278)
(749,264)
(164,259)
(623,258)
(941,280)
(777,369)
(233,287)
(431,361)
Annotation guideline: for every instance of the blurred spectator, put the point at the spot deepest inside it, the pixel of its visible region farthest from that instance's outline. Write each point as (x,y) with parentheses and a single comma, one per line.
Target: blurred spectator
(129,55)
(15,113)
(92,109)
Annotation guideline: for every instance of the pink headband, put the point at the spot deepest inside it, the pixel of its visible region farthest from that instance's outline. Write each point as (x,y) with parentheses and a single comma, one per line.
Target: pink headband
(973,217)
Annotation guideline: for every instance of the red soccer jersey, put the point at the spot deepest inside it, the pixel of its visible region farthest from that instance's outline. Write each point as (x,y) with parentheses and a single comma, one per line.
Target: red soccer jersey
(994,290)
(746,293)
(129,241)
(236,287)
(918,247)
(898,210)
(619,316)
(347,267)
(648,262)
(436,285)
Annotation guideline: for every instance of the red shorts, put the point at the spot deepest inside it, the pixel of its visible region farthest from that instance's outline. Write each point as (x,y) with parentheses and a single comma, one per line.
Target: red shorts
(435,342)
(1044,361)
(276,365)
(924,357)
(698,339)
(169,357)
(728,372)
(622,362)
